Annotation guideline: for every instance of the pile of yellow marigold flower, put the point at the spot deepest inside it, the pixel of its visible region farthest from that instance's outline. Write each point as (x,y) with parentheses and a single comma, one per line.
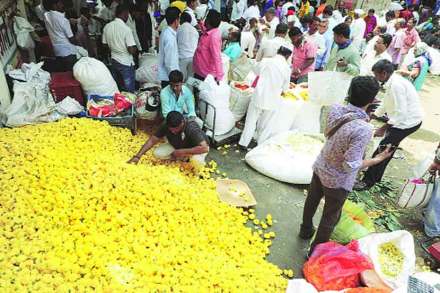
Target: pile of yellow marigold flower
(74,216)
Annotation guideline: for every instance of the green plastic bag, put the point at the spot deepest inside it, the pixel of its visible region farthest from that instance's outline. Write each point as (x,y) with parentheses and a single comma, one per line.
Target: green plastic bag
(354,224)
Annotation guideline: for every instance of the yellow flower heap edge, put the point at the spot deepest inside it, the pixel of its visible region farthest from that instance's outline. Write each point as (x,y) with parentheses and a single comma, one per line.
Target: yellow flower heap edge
(76,217)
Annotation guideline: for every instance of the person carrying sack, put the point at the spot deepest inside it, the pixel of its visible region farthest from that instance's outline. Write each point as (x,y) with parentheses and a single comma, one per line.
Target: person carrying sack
(334,172)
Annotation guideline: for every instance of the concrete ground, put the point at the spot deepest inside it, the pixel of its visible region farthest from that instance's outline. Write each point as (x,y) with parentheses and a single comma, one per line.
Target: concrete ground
(285,202)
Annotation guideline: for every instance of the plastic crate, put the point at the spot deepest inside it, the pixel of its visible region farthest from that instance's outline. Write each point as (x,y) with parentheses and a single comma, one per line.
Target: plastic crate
(63,84)
(128,121)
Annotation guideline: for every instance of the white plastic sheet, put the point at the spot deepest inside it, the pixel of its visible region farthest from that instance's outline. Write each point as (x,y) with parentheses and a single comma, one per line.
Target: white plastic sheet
(69,106)
(328,87)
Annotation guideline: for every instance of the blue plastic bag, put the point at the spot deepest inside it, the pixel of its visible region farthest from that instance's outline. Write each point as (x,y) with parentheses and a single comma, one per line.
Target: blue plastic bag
(432,212)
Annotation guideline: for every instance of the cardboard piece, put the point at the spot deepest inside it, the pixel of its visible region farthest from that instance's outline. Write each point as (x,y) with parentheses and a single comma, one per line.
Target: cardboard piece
(235,193)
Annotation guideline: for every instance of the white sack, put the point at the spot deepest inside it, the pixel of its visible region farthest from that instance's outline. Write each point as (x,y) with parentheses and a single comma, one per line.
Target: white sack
(287,157)
(328,87)
(369,245)
(281,120)
(433,53)
(148,69)
(23,30)
(409,58)
(218,97)
(226,62)
(94,77)
(239,101)
(307,118)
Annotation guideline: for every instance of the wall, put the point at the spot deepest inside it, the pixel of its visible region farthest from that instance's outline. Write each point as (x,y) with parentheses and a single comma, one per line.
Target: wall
(8,48)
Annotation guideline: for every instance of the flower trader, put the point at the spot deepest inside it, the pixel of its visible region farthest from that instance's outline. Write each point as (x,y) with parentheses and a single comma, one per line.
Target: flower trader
(185,141)
(207,58)
(402,105)
(168,48)
(177,96)
(274,78)
(334,172)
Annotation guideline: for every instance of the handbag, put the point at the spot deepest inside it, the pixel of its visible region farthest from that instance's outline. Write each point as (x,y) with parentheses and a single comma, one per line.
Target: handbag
(416,192)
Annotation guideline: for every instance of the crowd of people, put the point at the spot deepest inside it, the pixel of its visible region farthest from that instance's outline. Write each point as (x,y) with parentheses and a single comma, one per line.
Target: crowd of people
(191,36)
(288,40)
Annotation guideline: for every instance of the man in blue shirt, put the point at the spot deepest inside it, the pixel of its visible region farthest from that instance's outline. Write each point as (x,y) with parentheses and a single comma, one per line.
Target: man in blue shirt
(177,96)
(168,50)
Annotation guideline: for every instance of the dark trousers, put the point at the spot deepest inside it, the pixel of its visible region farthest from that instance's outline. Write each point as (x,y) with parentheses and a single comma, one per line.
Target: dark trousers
(393,136)
(199,77)
(334,200)
(66,63)
(125,76)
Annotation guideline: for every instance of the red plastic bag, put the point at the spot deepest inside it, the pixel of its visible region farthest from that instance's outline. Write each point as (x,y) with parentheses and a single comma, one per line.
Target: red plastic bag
(333,266)
(102,111)
(121,102)
(367,290)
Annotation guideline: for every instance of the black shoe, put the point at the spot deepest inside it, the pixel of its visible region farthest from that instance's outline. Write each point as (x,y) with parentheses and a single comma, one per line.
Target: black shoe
(306,233)
(361,186)
(242,148)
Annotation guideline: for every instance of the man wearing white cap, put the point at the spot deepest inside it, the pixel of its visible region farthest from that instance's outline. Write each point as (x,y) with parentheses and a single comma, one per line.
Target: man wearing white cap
(273,78)
(357,28)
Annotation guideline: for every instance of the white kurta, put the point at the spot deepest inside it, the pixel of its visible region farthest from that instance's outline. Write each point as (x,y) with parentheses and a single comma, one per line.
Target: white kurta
(274,78)
(269,48)
(357,31)
(318,40)
(248,42)
(273,26)
(238,9)
(369,59)
(401,103)
(251,12)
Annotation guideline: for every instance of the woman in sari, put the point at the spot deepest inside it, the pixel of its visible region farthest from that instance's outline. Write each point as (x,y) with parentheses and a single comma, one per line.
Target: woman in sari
(417,70)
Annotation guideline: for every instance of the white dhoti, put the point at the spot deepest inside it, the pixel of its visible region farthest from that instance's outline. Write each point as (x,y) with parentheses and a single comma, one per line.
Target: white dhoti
(164,151)
(255,119)
(185,66)
(248,42)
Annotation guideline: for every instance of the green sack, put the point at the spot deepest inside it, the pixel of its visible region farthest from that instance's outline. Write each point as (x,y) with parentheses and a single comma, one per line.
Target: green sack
(354,224)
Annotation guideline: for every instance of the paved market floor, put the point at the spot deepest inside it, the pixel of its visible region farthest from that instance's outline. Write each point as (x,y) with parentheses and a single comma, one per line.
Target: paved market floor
(285,203)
